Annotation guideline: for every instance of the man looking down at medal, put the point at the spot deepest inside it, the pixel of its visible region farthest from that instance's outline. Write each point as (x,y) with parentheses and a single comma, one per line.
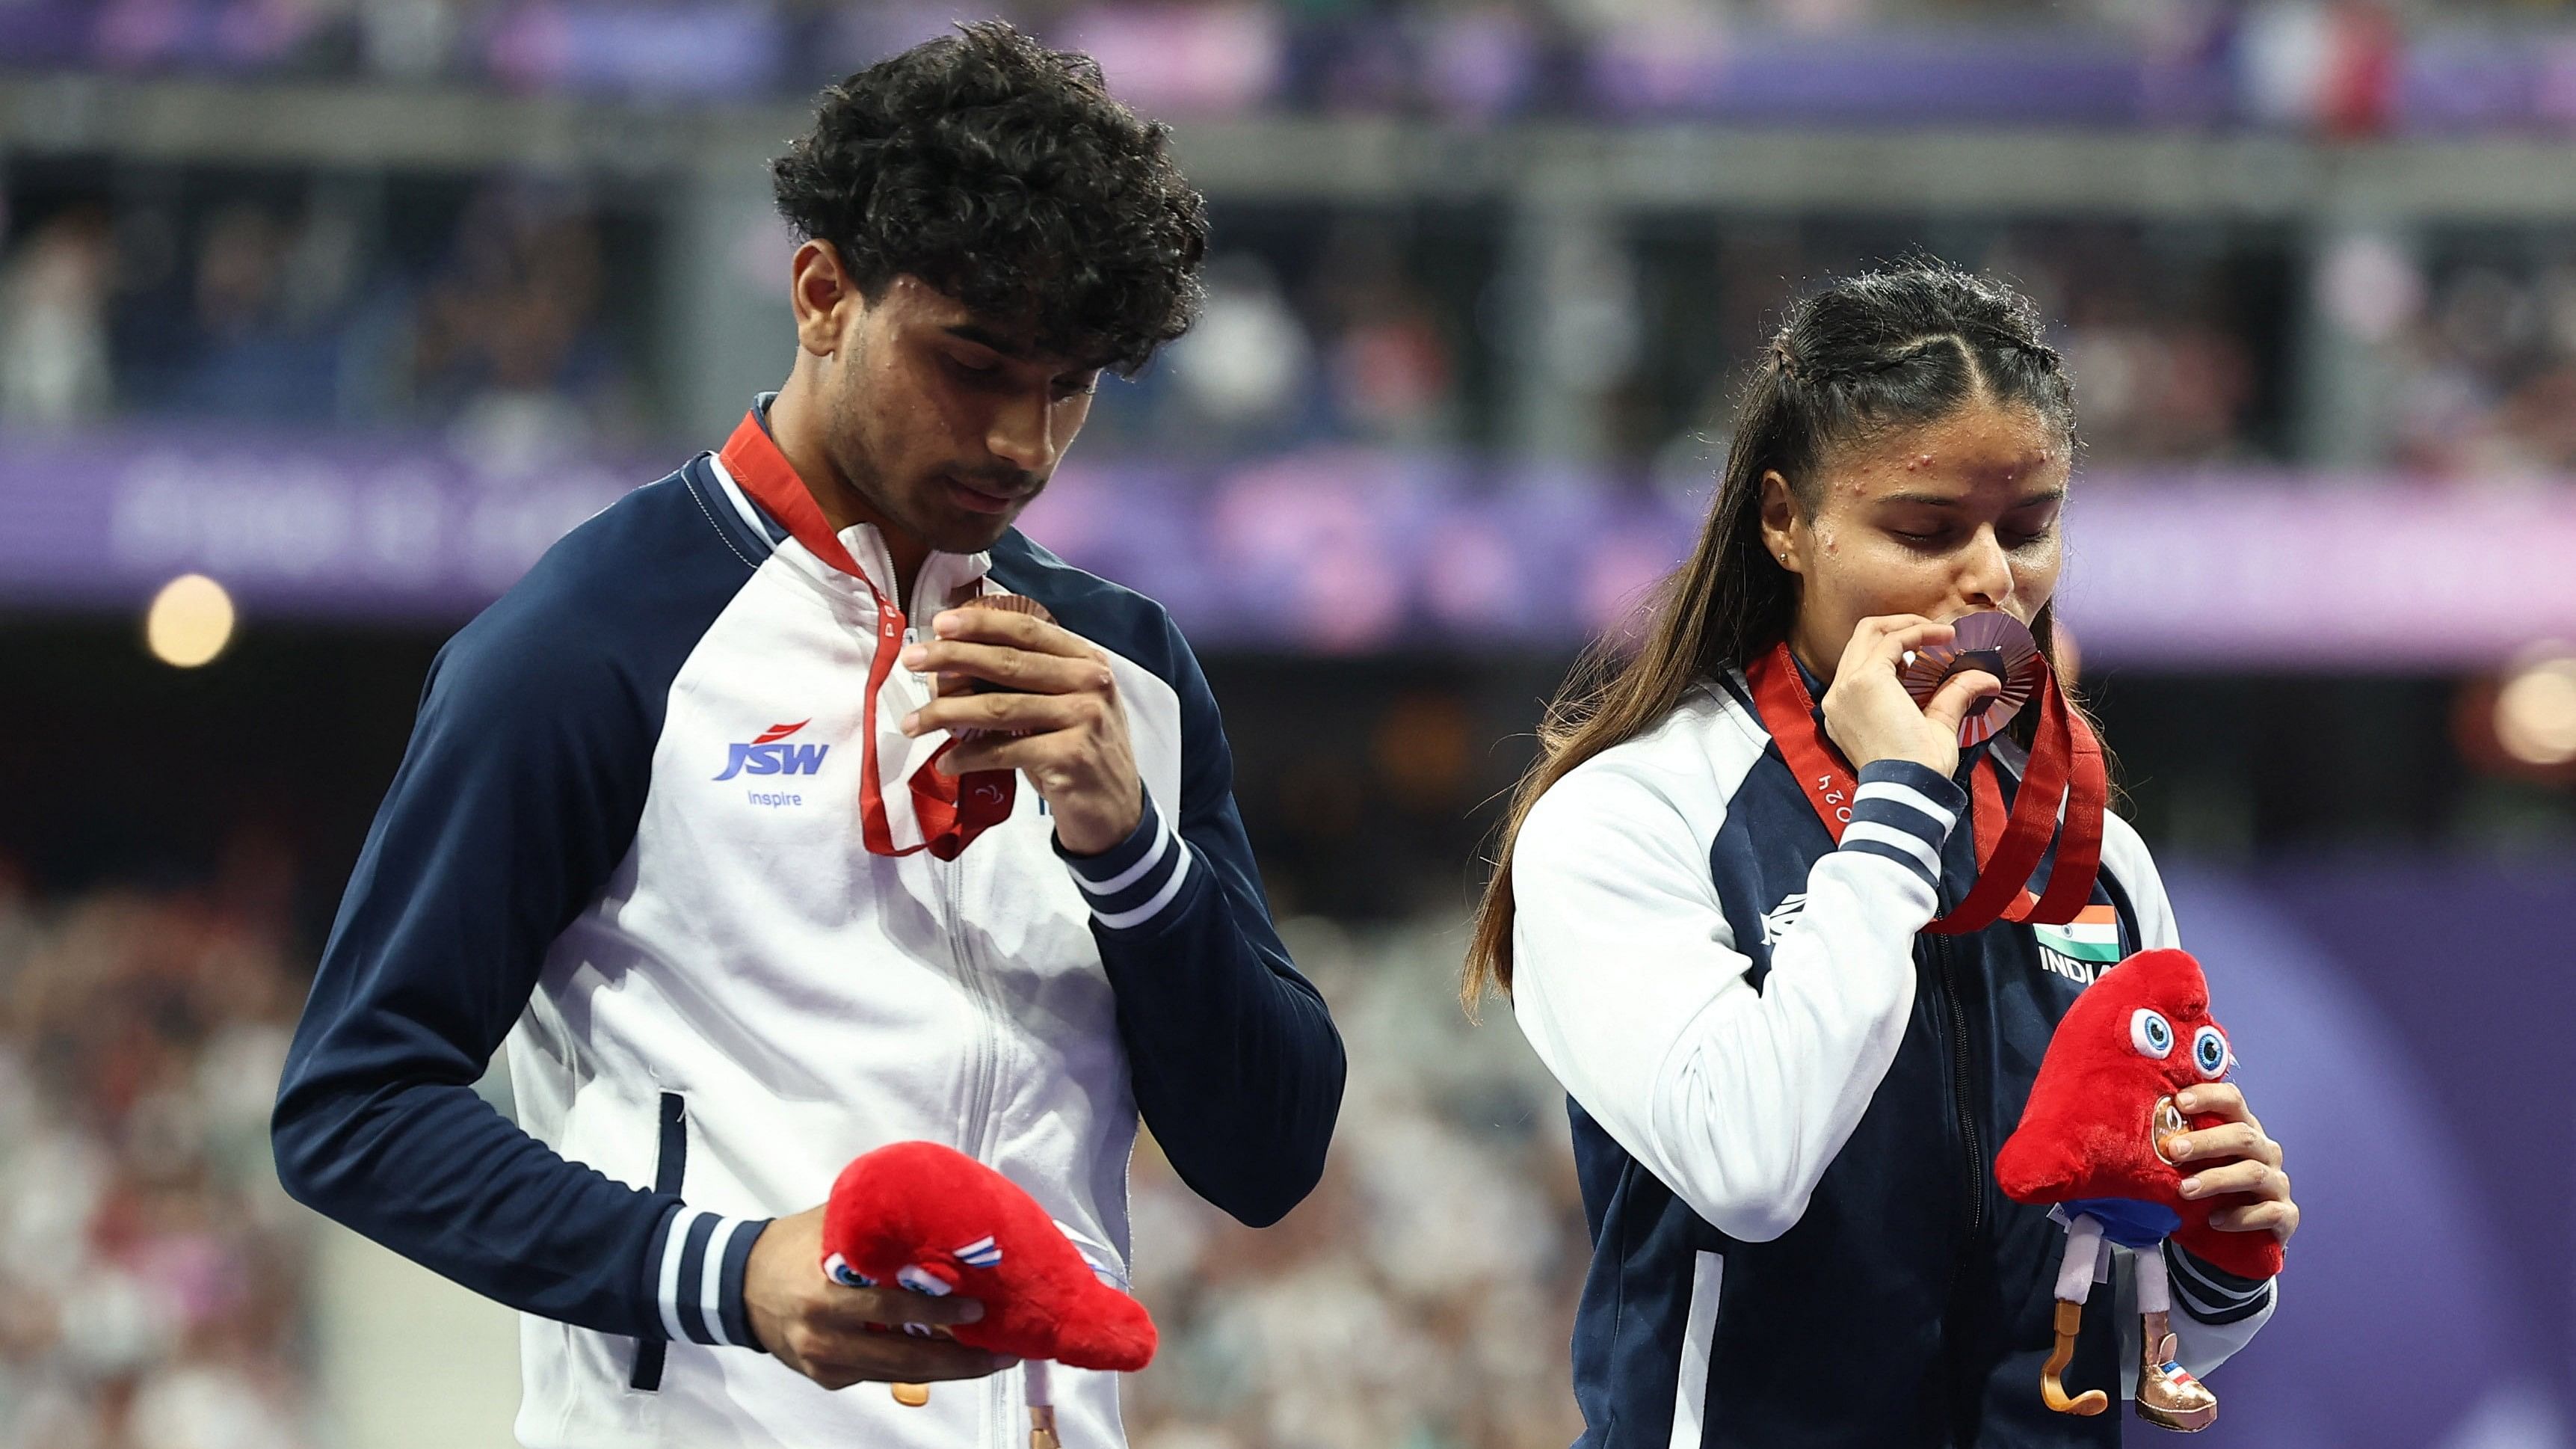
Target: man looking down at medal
(715,991)
(1796,1005)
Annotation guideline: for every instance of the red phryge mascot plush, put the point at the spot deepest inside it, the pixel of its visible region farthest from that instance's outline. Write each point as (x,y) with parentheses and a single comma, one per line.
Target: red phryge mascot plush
(2091,1144)
(928,1218)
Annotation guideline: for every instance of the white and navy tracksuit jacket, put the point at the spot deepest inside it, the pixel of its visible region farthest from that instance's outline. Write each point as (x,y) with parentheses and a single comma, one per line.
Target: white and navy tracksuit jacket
(1787,1103)
(607,845)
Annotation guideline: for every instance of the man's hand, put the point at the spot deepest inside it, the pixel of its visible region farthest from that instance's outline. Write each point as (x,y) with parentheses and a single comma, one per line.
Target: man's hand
(1057,716)
(2237,1158)
(822,1329)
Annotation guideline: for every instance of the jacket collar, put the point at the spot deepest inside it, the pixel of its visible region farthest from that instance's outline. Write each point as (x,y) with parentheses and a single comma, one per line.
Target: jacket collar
(752,457)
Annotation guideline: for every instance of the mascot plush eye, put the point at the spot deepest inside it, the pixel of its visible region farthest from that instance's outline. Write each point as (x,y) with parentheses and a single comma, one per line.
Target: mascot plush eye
(2209,1052)
(842,1273)
(919,1280)
(2150,1033)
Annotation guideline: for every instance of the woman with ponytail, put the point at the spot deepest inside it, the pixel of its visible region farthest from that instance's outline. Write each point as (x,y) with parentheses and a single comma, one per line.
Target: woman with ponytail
(1795,953)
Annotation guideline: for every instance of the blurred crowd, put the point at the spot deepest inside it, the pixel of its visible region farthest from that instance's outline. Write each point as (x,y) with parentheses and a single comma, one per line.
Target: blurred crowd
(2342,65)
(2486,354)
(478,307)
(521,319)
(154,1280)
(152,1273)
(1424,1297)
(1401,337)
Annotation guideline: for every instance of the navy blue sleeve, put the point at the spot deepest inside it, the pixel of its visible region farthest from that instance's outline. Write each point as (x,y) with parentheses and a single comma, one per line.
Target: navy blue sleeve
(517,798)
(1236,1064)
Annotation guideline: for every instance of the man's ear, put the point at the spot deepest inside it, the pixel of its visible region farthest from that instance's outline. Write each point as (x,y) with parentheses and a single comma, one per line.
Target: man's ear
(826,302)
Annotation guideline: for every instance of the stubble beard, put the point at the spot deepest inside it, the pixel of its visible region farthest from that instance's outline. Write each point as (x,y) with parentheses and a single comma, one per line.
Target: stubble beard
(872,484)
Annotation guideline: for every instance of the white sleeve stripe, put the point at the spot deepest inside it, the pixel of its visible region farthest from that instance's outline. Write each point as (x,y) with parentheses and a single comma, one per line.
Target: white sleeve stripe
(1902,794)
(1906,865)
(1912,845)
(2208,1288)
(2204,1300)
(2185,1290)
(1134,873)
(2191,1298)
(711,1281)
(2183,1263)
(1121,920)
(675,1243)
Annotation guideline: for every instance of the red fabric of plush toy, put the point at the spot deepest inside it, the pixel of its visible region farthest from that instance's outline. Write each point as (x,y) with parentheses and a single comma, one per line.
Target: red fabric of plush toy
(2138,1034)
(929,1218)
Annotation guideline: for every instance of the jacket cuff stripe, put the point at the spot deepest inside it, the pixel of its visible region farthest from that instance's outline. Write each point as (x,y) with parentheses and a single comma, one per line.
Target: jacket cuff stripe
(734,1314)
(666,1282)
(1885,794)
(2214,1282)
(688,1286)
(1934,786)
(1154,904)
(1121,865)
(1911,846)
(1903,812)
(2207,1300)
(2191,1301)
(655,1252)
(711,1281)
(1913,865)
(2219,1317)
(698,1291)
(1130,883)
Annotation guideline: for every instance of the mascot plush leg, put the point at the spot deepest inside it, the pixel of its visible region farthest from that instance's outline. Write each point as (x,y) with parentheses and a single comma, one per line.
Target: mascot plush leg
(2168,1397)
(1041,1397)
(2075,1273)
(1038,1374)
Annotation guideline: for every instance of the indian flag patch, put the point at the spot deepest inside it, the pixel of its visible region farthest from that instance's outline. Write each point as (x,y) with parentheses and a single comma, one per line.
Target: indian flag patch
(2082,948)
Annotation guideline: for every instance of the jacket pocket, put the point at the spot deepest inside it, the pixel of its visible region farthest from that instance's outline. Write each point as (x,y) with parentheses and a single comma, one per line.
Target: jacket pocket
(670,1169)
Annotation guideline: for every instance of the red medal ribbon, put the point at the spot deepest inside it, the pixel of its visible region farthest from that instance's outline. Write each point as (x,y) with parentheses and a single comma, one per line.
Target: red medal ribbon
(952,809)
(2065,765)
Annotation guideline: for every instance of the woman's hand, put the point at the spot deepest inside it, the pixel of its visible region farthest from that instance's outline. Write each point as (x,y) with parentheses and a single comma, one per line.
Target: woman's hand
(1869,715)
(2233,1157)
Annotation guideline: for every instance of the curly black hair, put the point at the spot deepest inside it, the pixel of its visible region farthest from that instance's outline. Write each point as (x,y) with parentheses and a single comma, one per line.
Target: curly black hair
(1004,174)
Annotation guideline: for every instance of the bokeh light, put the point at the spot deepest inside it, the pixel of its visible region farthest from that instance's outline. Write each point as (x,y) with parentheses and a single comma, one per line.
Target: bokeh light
(190,622)
(2535,712)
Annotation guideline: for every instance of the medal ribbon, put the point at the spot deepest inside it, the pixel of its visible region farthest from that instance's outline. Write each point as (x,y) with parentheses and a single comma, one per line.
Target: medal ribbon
(952,809)
(2065,765)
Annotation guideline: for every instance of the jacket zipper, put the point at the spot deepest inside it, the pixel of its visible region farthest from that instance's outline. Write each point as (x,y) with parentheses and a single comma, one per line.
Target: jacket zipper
(984,1071)
(987,1068)
(1974,1161)
(984,1086)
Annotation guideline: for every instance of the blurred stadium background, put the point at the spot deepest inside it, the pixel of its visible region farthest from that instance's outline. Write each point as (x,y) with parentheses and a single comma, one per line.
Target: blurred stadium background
(341,310)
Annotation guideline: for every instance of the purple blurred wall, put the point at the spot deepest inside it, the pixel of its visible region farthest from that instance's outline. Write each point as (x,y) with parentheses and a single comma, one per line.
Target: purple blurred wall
(1328,550)
(2404,1030)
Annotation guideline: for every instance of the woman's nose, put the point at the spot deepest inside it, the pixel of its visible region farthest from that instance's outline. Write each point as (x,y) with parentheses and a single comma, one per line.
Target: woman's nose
(1986,574)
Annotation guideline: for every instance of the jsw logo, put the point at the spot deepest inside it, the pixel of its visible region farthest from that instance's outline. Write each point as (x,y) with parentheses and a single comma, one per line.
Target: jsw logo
(766,756)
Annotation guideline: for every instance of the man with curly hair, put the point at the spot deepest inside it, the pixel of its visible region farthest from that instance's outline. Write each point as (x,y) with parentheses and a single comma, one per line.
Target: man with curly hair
(796,805)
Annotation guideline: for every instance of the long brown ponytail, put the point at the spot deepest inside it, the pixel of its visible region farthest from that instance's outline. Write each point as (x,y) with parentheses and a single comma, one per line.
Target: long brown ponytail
(1901,347)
